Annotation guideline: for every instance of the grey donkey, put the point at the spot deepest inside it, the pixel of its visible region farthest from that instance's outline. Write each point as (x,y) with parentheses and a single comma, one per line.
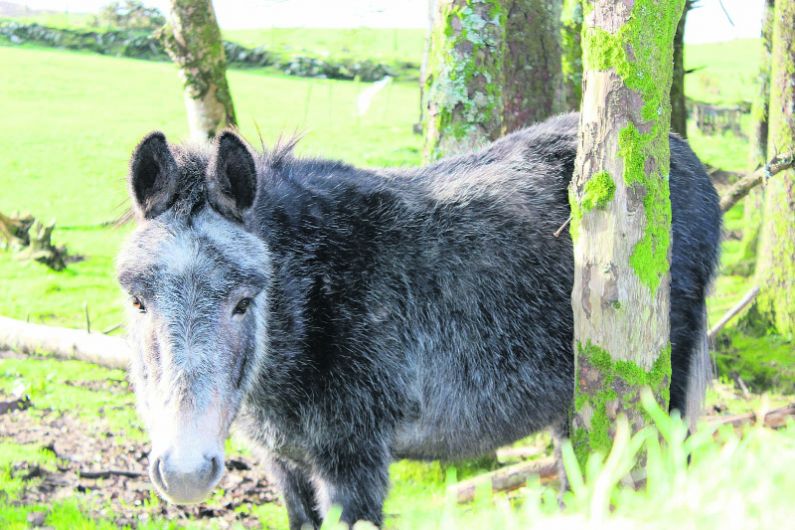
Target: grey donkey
(347,317)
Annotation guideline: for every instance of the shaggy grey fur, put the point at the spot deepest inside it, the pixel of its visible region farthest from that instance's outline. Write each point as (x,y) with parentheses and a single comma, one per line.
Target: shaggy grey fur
(420,313)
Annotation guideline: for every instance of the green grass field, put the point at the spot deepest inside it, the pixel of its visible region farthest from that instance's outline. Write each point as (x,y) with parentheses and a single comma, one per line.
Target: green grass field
(725,71)
(70,121)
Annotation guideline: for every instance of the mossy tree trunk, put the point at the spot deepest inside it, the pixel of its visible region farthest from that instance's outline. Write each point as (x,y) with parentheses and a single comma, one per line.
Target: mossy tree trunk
(193,41)
(775,269)
(571,63)
(621,216)
(678,101)
(754,202)
(533,89)
(464,77)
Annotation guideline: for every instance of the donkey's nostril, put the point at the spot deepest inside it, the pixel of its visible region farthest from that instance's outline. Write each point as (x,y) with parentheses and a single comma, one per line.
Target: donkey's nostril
(158,475)
(161,472)
(216,468)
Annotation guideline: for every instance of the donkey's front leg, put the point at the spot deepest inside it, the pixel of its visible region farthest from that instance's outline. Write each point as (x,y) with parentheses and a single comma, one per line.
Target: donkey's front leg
(357,482)
(297,492)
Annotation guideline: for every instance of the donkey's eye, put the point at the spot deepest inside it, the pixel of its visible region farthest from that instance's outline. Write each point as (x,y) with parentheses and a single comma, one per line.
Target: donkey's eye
(242,306)
(137,304)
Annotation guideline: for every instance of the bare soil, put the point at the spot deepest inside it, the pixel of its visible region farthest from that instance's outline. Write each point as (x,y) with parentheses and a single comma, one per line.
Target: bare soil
(117,486)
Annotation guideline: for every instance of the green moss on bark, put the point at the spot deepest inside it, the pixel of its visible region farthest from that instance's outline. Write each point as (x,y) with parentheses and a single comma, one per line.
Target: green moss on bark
(598,191)
(644,65)
(605,387)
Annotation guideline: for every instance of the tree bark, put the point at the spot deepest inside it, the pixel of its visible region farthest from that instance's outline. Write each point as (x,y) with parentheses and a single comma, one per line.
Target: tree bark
(621,217)
(775,269)
(678,101)
(533,89)
(571,62)
(754,203)
(464,76)
(759,111)
(193,41)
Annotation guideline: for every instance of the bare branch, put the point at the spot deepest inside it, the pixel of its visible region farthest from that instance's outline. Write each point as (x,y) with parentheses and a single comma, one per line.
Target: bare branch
(741,188)
(773,419)
(725,12)
(731,313)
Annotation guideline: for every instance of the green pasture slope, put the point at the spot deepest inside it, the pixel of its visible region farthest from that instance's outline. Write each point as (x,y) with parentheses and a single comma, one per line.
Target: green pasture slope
(69,121)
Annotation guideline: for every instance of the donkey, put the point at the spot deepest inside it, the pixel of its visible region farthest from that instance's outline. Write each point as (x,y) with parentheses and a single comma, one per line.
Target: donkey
(346,317)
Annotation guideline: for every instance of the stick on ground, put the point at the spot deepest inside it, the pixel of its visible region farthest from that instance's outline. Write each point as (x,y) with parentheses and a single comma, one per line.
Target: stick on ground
(506,479)
(108,473)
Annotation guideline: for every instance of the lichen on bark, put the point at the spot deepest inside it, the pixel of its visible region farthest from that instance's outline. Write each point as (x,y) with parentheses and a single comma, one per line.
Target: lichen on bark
(464,78)
(192,39)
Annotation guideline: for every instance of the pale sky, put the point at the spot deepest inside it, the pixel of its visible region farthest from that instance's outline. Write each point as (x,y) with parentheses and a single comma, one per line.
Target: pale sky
(707,23)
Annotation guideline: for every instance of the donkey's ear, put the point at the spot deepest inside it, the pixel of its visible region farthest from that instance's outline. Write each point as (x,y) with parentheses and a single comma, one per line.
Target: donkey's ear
(231,176)
(153,176)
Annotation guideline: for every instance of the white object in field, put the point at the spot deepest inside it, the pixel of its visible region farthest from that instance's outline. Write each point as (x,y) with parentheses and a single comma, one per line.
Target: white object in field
(365,99)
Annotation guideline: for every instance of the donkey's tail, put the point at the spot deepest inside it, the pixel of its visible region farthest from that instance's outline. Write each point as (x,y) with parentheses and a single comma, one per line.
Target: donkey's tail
(700,372)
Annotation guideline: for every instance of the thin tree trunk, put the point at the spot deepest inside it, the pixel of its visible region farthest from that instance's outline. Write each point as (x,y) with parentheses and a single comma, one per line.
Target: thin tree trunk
(464,76)
(571,63)
(759,111)
(621,216)
(754,203)
(776,262)
(426,51)
(193,41)
(533,89)
(678,101)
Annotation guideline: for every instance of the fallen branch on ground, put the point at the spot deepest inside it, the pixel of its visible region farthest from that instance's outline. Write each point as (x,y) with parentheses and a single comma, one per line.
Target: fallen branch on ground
(773,419)
(741,188)
(32,240)
(505,479)
(731,313)
(111,352)
(109,473)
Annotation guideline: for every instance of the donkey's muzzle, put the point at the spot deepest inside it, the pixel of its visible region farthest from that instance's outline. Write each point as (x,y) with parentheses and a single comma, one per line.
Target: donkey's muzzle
(186,484)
